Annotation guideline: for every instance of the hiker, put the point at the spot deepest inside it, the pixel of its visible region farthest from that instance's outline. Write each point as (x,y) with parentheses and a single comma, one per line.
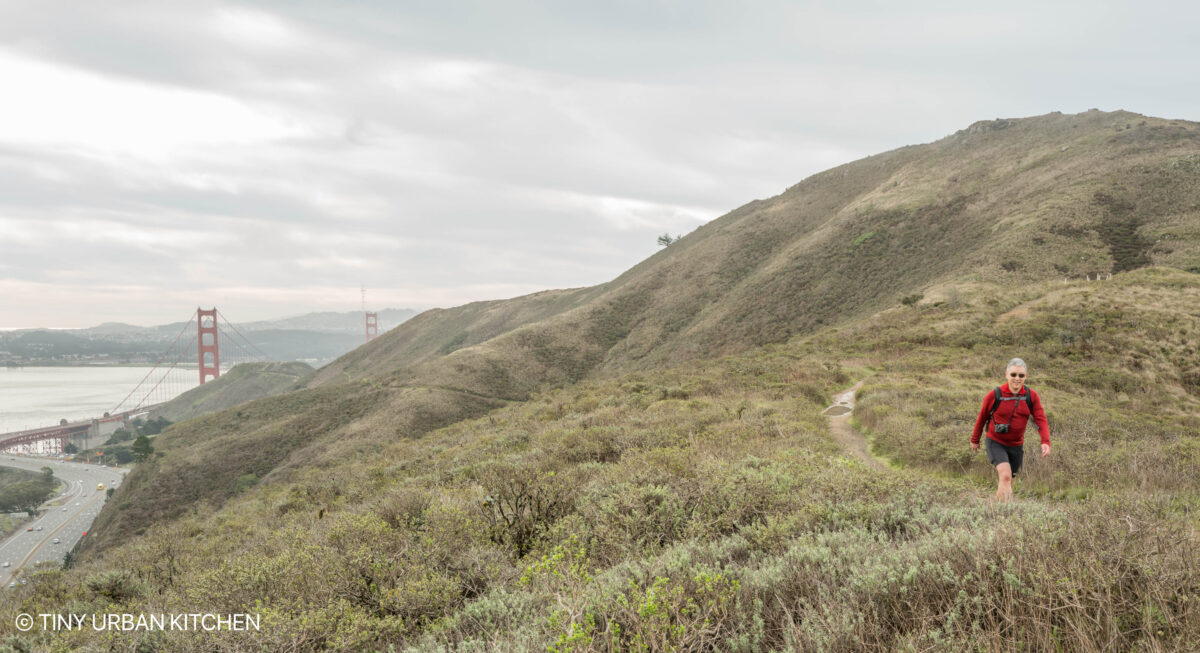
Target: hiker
(1006,410)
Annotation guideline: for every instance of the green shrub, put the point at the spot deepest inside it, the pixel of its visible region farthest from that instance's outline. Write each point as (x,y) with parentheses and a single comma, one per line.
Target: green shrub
(115,586)
(244,482)
(522,503)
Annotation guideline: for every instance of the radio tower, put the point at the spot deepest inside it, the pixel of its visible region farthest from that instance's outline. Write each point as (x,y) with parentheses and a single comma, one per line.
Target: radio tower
(372,318)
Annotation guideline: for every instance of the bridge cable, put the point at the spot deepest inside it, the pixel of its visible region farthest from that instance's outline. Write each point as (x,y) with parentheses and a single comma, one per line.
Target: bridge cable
(160,360)
(174,365)
(244,338)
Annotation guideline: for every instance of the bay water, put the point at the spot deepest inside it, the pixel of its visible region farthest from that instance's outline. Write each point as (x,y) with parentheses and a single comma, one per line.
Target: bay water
(35,397)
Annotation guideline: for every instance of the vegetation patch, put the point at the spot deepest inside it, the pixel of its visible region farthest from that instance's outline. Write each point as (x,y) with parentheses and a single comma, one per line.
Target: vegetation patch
(24,491)
(1119,231)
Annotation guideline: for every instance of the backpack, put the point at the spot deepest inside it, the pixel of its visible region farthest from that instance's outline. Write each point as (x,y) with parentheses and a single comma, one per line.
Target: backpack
(1027,395)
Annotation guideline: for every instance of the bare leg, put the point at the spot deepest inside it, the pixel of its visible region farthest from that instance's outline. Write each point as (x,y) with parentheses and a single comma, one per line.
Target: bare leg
(1004,492)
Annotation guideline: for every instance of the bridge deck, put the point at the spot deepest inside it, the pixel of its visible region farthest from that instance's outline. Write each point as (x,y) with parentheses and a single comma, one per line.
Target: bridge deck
(64,431)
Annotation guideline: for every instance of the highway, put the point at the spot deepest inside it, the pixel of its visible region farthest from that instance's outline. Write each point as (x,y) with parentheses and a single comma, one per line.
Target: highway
(65,517)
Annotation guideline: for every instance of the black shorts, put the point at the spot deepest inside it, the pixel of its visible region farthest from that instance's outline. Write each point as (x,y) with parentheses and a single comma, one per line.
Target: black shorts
(998,453)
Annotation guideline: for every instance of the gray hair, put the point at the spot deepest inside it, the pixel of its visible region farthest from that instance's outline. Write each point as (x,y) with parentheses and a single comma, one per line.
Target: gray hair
(1016,362)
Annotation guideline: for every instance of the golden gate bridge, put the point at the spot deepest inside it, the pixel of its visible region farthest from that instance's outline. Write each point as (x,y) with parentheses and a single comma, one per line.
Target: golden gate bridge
(175,372)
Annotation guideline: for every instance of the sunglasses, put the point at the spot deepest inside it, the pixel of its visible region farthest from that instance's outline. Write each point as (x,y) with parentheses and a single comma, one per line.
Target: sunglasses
(1016,376)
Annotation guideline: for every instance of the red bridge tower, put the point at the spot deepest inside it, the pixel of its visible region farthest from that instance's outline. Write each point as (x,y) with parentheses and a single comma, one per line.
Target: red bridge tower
(210,355)
(372,325)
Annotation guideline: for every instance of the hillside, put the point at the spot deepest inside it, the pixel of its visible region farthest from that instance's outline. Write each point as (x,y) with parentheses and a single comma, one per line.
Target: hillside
(837,247)
(644,463)
(245,382)
(1052,197)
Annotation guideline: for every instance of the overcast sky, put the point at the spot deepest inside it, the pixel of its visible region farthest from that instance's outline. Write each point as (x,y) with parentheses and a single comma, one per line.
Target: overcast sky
(270,158)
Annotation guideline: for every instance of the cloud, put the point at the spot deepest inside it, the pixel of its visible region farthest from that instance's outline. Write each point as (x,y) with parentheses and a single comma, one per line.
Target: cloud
(263,153)
(50,106)
(623,213)
(255,30)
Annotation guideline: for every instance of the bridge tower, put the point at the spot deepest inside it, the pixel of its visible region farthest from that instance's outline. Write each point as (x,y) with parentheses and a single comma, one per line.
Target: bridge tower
(372,325)
(206,326)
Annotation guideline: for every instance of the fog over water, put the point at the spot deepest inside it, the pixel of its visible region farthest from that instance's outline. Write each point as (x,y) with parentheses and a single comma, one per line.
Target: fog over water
(33,397)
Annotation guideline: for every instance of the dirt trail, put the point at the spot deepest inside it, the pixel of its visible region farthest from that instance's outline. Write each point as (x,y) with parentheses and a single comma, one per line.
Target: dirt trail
(839,426)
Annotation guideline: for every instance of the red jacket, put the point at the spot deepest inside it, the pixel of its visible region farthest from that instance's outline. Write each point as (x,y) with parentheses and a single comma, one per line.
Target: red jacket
(1005,415)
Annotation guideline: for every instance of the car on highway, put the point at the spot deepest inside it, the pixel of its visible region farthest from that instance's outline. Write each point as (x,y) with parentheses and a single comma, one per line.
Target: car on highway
(7,564)
(54,541)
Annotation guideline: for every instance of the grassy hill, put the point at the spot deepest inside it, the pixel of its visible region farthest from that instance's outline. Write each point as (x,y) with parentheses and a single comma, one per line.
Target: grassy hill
(644,464)
(439,332)
(245,382)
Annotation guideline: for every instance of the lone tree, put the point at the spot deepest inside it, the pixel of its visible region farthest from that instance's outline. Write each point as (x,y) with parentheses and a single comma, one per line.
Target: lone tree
(141,448)
(667,239)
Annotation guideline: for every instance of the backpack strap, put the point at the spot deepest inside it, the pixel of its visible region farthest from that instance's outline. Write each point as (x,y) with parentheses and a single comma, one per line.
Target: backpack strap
(995,405)
(1027,395)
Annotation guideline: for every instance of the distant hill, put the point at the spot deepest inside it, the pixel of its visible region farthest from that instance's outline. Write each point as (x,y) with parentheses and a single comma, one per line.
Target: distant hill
(351,322)
(315,338)
(110,328)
